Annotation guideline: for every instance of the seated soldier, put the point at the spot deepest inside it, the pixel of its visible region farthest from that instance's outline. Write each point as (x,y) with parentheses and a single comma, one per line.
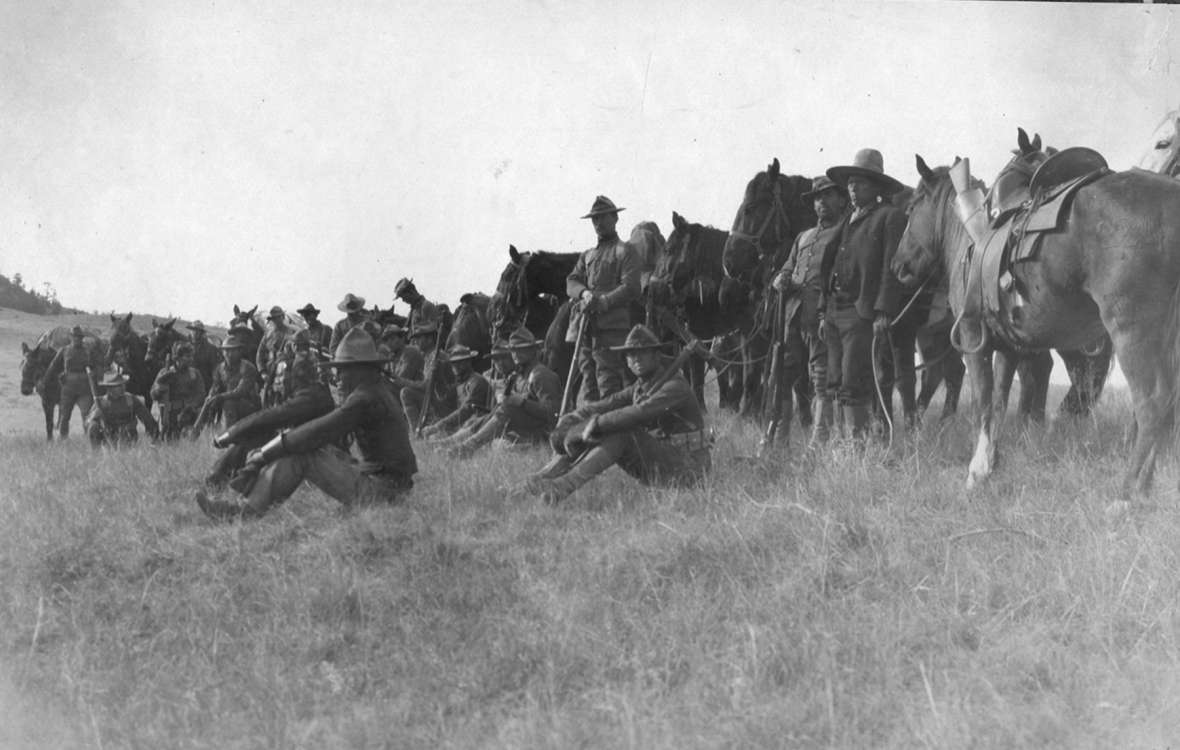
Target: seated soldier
(528,410)
(179,389)
(311,451)
(474,393)
(112,418)
(435,374)
(498,379)
(405,360)
(653,429)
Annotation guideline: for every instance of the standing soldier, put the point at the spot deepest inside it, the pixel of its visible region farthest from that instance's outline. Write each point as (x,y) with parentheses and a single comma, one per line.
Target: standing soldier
(74,367)
(383,471)
(423,312)
(206,356)
(860,292)
(799,282)
(271,352)
(180,392)
(436,379)
(604,283)
(528,410)
(320,333)
(235,387)
(653,430)
(353,308)
(114,414)
(474,393)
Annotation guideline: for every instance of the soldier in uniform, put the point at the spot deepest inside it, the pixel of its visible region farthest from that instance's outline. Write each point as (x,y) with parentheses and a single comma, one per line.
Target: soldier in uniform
(474,394)
(528,409)
(206,356)
(423,312)
(405,360)
(386,464)
(319,332)
(604,283)
(653,430)
(799,281)
(235,388)
(435,375)
(74,366)
(353,308)
(271,352)
(860,293)
(113,417)
(179,389)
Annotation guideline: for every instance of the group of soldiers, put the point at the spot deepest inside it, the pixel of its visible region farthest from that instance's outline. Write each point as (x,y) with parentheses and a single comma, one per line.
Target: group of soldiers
(635,409)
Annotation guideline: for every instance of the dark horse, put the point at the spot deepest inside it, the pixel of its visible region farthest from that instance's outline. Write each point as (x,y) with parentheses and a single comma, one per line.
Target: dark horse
(472,329)
(128,350)
(531,293)
(159,344)
(1113,267)
(36,361)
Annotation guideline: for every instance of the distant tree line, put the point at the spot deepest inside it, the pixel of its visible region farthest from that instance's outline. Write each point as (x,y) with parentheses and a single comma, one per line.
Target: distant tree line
(15,296)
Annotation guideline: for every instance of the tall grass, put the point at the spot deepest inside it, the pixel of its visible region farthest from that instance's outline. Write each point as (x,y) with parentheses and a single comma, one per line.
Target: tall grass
(861,600)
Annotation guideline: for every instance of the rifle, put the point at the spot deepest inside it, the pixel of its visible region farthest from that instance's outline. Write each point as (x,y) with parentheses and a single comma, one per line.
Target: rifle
(773,391)
(201,415)
(94,394)
(569,379)
(427,394)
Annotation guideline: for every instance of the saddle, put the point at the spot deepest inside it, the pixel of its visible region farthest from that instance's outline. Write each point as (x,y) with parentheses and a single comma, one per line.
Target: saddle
(1020,220)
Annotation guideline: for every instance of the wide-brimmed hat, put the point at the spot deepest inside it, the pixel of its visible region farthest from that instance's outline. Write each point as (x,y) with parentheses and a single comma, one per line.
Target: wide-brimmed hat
(402,286)
(820,184)
(638,338)
(112,377)
(522,338)
(275,313)
(603,205)
(351,303)
(233,341)
(869,163)
(356,348)
(77,331)
(460,353)
(308,309)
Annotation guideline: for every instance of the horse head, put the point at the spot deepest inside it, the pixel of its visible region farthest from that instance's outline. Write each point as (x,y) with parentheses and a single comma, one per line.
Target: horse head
(772,212)
(511,296)
(649,242)
(934,235)
(1164,155)
(33,365)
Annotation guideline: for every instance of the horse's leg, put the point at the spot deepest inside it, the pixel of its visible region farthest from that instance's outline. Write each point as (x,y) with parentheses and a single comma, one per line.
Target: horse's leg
(1153,385)
(1034,370)
(696,370)
(952,370)
(47,405)
(979,367)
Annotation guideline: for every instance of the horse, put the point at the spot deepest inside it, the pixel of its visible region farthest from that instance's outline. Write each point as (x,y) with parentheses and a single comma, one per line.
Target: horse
(472,329)
(248,329)
(36,360)
(160,342)
(531,293)
(1113,267)
(1164,155)
(128,351)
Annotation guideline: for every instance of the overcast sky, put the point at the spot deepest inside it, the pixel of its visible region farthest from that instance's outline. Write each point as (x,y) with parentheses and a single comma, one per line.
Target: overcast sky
(178,157)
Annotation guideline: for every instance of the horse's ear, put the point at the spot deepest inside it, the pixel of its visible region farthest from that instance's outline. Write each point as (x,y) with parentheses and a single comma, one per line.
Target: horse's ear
(1036,142)
(252,310)
(24,348)
(957,160)
(114,319)
(774,169)
(514,253)
(924,171)
(237,311)
(678,221)
(1022,141)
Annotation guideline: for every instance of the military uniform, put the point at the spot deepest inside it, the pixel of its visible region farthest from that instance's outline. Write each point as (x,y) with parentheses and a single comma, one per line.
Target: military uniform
(443,398)
(610,271)
(180,394)
(113,418)
(474,396)
(239,389)
(272,353)
(206,356)
(69,367)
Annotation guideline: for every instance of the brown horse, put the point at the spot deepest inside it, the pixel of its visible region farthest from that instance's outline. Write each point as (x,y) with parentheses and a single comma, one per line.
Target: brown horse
(531,293)
(1113,267)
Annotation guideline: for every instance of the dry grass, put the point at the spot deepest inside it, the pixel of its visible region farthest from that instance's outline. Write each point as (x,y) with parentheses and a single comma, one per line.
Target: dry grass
(867,601)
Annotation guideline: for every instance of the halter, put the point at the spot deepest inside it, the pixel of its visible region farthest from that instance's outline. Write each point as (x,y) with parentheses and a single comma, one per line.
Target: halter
(777,211)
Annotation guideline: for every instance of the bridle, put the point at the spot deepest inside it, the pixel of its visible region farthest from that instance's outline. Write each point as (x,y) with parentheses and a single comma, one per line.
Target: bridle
(776,218)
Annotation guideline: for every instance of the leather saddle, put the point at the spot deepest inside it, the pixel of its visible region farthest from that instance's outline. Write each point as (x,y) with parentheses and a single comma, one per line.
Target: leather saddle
(1021,218)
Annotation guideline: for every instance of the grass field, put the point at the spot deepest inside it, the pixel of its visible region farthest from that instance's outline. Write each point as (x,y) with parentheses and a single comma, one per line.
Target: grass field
(863,601)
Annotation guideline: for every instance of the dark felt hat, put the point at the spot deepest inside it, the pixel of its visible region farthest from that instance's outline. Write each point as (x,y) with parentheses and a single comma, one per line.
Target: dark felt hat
(351,303)
(308,309)
(356,348)
(276,313)
(820,184)
(402,286)
(460,353)
(640,337)
(522,338)
(869,163)
(603,205)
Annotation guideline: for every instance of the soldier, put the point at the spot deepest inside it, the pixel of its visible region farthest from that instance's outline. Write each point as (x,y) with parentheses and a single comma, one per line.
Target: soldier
(179,389)
(499,379)
(353,308)
(528,410)
(435,376)
(423,312)
(603,284)
(206,356)
(319,333)
(114,414)
(302,364)
(271,353)
(74,366)
(235,388)
(799,281)
(860,293)
(311,452)
(653,430)
(474,393)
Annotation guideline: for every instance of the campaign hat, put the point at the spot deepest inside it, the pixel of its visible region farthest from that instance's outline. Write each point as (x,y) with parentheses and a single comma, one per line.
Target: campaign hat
(402,286)
(460,353)
(522,338)
(603,205)
(356,348)
(820,184)
(869,163)
(276,313)
(351,303)
(113,377)
(308,309)
(638,338)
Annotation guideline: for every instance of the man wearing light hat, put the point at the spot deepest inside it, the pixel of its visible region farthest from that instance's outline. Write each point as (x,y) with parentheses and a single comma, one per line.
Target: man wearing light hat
(320,333)
(604,283)
(271,352)
(355,315)
(653,429)
(206,356)
(385,465)
(112,419)
(860,294)
(474,393)
(74,366)
(528,409)
(799,281)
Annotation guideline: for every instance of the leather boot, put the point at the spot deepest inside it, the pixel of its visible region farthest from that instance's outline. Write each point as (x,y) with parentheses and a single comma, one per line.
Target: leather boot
(486,434)
(534,483)
(856,419)
(222,510)
(591,464)
(822,423)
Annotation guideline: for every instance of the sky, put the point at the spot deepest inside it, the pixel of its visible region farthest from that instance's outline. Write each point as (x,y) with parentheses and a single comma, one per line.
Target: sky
(180,157)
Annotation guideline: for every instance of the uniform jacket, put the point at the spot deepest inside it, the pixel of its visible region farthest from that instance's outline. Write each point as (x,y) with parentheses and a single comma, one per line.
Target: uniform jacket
(342,327)
(119,414)
(670,409)
(542,391)
(240,388)
(856,262)
(372,414)
(321,336)
(475,398)
(272,349)
(611,270)
(206,358)
(257,428)
(72,361)
(180,389)
(424,311)
(804,268)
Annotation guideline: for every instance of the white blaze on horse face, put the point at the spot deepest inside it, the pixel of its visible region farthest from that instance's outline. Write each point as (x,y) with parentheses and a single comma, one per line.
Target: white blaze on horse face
(981,463)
